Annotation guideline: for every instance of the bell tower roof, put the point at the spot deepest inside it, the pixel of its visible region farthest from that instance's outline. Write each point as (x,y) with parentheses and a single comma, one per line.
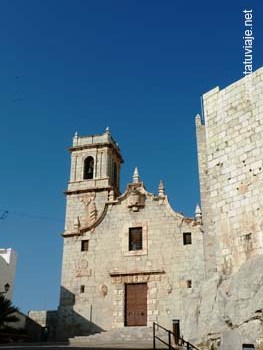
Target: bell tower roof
(98,140)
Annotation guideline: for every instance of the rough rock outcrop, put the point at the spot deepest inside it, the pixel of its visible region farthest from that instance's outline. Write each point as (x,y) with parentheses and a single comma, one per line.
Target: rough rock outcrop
(228,311)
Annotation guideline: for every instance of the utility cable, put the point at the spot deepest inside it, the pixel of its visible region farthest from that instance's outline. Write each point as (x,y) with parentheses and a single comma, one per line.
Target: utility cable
(5,213)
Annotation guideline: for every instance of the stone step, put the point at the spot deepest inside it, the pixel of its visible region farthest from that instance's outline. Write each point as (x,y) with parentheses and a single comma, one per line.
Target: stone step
(128,337)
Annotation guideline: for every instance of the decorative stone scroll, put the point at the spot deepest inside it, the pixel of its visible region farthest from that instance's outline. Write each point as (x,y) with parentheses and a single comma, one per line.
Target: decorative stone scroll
(90,208)
(76,225)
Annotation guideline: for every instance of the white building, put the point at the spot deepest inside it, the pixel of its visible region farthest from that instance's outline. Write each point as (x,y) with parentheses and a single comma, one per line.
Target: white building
(7,271)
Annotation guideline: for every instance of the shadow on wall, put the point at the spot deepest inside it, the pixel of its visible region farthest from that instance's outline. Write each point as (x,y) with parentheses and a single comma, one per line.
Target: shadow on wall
(69,322)
(47,321)
(24,329)
(49,331)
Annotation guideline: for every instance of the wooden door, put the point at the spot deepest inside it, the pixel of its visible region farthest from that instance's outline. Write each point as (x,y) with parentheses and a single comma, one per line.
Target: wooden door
(136,304)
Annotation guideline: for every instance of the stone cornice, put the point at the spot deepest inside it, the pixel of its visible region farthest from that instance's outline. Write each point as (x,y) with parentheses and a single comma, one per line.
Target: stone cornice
(86,190)
(97,145)
(136,273)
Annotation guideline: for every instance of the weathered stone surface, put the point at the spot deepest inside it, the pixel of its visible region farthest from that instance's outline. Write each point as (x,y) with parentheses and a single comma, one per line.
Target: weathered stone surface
(230,148)
(229,309)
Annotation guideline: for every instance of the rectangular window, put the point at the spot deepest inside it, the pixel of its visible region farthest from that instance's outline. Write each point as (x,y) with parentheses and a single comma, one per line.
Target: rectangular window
(135,238)
(187,237)
(85,245)
(189,284)
(82,289)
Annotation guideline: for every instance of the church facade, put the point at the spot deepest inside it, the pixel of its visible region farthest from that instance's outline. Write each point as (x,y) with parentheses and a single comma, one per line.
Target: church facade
(129,259)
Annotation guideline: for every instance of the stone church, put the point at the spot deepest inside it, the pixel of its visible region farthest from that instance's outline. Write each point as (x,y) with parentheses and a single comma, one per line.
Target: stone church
(129,259)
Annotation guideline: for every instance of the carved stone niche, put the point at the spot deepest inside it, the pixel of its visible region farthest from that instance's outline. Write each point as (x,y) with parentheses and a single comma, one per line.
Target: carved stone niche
(104,290)
(136,199)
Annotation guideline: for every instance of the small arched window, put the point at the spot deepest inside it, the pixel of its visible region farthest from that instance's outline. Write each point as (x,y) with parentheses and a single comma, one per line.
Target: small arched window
(88,168)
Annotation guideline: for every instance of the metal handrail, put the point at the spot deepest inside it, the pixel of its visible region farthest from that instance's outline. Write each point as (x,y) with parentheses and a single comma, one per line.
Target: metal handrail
(182,342)
(189,346)
(169,344)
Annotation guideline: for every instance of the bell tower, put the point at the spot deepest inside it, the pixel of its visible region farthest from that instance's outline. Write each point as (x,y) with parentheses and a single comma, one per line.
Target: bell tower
(94,175)
(95,163)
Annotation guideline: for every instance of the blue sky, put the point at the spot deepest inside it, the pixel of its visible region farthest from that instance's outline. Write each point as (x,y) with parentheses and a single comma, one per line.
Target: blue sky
(138,67)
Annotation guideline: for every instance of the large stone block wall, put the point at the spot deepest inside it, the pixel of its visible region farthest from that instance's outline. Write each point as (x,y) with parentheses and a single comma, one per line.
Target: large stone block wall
(209,236)
(230,147)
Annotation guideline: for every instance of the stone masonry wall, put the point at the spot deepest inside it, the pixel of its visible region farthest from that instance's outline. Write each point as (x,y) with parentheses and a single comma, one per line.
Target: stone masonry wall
(231,172)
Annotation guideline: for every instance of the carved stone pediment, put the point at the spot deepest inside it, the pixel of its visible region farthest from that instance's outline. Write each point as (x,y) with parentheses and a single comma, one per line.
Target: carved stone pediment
(135,199)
